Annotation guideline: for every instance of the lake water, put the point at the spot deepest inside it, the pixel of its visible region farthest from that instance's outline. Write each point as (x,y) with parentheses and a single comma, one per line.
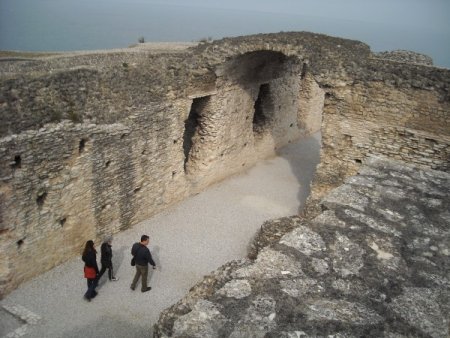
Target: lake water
(64,25)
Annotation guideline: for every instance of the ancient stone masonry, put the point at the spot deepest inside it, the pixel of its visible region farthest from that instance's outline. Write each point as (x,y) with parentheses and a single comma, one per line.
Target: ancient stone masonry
(374,263)
(92,143)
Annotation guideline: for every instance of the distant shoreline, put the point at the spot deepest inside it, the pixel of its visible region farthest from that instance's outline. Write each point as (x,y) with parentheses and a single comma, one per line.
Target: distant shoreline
(158,47)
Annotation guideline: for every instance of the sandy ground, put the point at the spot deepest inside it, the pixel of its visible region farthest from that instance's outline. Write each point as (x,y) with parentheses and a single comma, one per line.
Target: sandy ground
(188,241)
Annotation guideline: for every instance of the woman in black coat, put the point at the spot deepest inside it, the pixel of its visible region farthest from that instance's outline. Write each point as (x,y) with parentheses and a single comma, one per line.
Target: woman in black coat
(89,258)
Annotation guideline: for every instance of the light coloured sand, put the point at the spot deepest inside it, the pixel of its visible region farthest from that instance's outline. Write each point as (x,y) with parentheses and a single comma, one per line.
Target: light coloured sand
(188,241)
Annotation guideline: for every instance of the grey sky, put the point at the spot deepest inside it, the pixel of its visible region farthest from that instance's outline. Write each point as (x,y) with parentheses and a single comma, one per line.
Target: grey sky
(419,25)
(404,12)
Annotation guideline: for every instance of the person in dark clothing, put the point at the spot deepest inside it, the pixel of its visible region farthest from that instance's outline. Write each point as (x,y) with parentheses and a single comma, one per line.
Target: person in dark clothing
(106,259)
(89,258)
(143,257)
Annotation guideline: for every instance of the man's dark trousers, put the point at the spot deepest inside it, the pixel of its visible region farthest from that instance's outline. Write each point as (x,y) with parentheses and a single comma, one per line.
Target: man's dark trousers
(140,270)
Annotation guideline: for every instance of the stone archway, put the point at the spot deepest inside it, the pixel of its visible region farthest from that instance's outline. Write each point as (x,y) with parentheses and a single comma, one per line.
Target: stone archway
(261,102)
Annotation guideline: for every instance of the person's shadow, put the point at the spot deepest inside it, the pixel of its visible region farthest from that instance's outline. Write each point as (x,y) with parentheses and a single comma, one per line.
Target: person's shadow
(303,157)
(120,256)
(156,258)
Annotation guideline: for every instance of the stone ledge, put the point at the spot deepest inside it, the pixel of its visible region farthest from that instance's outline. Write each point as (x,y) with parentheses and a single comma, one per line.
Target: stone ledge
(405,56)
(374,263)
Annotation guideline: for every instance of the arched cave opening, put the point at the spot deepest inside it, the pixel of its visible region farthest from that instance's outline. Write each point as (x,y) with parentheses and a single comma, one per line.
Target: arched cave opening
(192,125)
(263,106)
(255,67)
(279,95)
(266,87)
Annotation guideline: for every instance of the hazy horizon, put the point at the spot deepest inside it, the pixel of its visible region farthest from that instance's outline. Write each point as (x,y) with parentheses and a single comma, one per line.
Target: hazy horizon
(64,25)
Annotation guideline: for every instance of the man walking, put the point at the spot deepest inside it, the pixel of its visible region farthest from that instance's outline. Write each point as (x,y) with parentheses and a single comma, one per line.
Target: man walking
(142,257)
(106,259)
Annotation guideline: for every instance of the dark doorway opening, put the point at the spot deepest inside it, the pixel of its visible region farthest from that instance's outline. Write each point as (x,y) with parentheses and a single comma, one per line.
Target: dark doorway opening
(263,105)
(192,125)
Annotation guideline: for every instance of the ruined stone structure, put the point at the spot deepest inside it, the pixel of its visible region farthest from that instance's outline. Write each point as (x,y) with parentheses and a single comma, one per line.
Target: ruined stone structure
(93,143)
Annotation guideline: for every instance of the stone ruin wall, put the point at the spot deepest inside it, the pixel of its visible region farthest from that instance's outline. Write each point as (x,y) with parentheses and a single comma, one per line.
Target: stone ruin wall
(401,112)
(92,144)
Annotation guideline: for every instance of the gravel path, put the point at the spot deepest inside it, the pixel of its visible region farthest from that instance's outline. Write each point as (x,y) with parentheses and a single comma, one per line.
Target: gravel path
(187,241)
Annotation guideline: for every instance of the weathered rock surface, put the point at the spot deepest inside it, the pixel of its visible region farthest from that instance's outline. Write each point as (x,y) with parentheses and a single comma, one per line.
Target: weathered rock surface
(374,263)
(406,56)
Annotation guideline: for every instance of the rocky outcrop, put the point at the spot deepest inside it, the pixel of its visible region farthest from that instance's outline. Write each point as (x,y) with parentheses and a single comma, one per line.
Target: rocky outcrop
(374,263)
(406,56)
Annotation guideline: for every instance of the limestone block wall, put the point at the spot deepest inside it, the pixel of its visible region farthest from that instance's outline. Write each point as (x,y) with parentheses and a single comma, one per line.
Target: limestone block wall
(90,181)
(45,201)
(99,88)
(408,125)
(312,99)
(404,115)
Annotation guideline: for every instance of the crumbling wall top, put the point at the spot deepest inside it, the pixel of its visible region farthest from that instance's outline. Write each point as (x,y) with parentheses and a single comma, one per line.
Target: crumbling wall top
(405,56)
(108,86)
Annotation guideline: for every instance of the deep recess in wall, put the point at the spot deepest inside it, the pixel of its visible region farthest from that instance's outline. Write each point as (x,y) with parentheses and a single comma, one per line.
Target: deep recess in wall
(192,125)
(17,164)
(255,67)
(19,243)
(42,195)
(81,145)
(262,107)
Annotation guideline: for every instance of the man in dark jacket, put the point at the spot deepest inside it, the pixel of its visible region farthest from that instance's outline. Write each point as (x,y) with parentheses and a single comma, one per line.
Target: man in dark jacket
(143,257)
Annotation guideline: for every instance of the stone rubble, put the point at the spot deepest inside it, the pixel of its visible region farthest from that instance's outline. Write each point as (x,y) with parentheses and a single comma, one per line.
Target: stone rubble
(374,263)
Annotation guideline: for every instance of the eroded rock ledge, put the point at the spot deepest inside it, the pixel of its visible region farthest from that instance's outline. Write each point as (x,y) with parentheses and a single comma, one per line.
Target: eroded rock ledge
(406,56)
(374,263)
